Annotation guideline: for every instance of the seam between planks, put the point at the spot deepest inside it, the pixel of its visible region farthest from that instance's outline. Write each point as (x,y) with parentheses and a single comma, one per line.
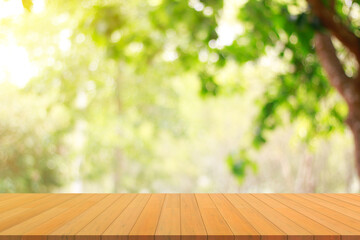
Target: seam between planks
(101,235)
(287,236)
(226,199)
(202,219)
(106,195)
(47,237)
(19,206)
(313,237)
(221,215)
(332,196)
(311,209)
(284,200)
(139,216)
(120,196)
(336,201)
(96,215)
(313,234)
(47,209)
(254,209)
(162,207)
(61,212)
(307,216)
(330,216)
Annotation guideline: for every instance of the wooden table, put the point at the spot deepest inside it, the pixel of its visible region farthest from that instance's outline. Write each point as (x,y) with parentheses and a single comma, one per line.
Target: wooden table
(179,216)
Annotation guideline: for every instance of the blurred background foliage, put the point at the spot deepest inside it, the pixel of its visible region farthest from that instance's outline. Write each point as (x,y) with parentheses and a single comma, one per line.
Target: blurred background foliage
(168,96)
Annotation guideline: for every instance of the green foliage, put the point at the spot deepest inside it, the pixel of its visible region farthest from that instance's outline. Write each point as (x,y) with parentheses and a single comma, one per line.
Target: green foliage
(239,164)
(301,90)
(117,81)
(31,145)
(208,85)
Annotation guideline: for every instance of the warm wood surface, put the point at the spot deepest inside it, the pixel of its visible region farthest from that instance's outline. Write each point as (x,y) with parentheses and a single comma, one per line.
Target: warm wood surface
(180,216)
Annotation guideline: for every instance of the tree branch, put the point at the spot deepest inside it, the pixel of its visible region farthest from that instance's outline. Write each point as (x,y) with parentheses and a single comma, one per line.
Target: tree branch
(331,63)
(331,21)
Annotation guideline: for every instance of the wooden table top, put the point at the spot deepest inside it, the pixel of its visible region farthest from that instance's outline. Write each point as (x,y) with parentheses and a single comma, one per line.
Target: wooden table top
(179,216)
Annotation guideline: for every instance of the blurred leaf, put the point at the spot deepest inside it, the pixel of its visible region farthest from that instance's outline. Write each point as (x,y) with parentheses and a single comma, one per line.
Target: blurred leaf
(239,163)
(208,85)
(28,4)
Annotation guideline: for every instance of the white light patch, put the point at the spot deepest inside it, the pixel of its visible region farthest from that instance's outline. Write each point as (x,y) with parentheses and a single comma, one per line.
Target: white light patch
(38,7)
(10,9)
(228,26)
(15,65)
(64,40)
(15,8)
(227,33)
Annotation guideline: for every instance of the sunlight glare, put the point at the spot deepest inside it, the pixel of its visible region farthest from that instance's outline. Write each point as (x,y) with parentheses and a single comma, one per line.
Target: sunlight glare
(10,9)
(15,64)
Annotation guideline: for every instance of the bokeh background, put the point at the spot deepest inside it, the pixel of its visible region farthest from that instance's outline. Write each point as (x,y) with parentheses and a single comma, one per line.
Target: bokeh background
(168,96)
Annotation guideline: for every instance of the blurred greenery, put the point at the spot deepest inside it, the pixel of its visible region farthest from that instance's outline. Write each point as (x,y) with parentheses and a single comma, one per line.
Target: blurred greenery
(167,96)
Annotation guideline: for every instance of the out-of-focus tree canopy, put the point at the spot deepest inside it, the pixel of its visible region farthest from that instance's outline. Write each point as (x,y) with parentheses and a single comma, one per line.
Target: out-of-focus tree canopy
(188,31)
(115,82)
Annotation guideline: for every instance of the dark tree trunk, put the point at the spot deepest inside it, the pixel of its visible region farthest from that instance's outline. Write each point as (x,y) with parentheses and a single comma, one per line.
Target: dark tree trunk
(348,87)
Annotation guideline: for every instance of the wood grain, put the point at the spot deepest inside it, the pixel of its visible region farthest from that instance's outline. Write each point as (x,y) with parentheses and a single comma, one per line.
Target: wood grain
(145,226)
(122,225)
(319,231)
(240,227)
(215,224)
(96,227)
(27,211)
(345,198)
(72,227)
(346,232)
(192,225)
(41,224)
(292,230)
(265,227)
(179,216)
(168,227)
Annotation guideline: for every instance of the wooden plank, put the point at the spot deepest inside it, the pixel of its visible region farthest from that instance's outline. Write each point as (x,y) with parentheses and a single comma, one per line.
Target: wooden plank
(168,227)
(346,232)
(215,225)
(349,198)
(97,227)
(11,204)
(327,210)
(17,231)
(240,227)
(71,228)
(294,231)
(30,210)
(121,227)
(6,196)
(19,205)
(353,196)
(192,225)
(266,229)
(319,231)
(180,216)
(75,207)
(145,226)
(335,204)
